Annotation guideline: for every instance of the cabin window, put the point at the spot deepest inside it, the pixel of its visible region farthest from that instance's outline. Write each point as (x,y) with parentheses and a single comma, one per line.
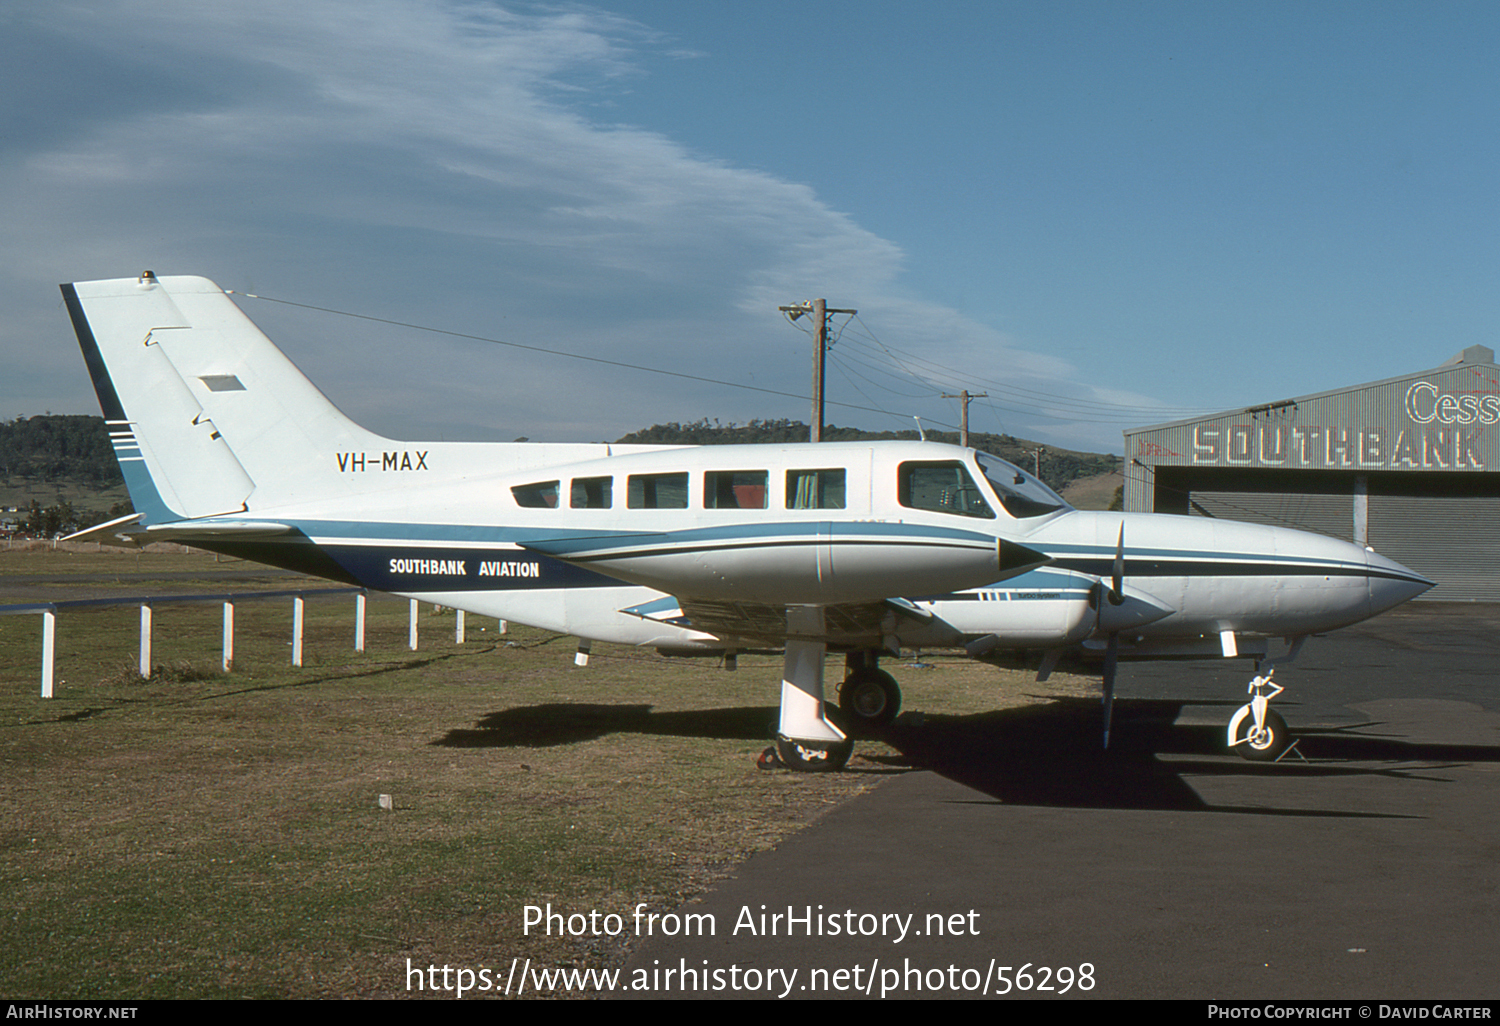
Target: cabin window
(593,492)
(734,489)
(657,491)
(542,495)
(942,488)
(815,489)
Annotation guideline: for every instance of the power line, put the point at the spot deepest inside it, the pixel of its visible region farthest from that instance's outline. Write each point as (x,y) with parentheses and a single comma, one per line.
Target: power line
(1023,404)
(551,352)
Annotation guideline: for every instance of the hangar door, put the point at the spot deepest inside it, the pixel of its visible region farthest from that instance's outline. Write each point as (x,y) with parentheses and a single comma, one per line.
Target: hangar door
(1332,515)
(1453,540)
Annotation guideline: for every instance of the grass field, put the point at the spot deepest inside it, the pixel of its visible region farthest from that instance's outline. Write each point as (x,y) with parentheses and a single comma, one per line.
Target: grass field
(207,835)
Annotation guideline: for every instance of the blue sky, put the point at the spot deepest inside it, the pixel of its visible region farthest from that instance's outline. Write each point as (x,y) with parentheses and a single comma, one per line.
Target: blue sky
(1104,214)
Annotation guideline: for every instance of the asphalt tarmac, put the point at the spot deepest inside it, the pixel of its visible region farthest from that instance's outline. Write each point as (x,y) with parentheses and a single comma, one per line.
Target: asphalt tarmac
(1365,865)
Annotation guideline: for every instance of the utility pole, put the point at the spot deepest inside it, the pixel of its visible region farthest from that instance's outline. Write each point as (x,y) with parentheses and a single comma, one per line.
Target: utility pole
(963,417)
(818,308)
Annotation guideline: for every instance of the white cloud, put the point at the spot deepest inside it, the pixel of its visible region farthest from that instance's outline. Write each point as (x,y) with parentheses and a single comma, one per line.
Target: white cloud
(436,162)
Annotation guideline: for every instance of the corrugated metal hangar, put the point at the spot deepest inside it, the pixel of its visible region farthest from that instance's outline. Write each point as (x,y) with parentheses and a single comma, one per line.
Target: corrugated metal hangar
(1409,466)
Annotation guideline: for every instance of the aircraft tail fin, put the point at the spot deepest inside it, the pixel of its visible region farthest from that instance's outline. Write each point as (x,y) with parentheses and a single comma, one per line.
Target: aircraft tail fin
(203,410)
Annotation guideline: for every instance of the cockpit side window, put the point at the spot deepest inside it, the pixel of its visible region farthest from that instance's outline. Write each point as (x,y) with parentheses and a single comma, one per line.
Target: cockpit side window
(944,487)
(1019,493)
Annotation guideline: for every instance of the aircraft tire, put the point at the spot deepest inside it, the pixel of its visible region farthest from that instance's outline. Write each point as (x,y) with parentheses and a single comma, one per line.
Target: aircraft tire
(869,700)
(1268,747)
(813,758)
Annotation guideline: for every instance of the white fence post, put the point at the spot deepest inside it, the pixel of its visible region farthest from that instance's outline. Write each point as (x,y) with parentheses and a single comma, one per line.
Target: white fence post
(412,630)
(49,650)
(228,636)
(49,626)
(146,642)
(359,622)
(458,629)
(297,614)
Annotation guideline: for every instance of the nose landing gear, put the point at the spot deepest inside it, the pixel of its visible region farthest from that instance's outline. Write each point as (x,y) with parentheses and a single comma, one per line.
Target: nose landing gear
(1256,732)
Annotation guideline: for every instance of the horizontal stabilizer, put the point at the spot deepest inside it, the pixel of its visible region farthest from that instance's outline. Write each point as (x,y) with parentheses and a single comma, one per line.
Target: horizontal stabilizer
(218,529)
(126,531)
(116,531)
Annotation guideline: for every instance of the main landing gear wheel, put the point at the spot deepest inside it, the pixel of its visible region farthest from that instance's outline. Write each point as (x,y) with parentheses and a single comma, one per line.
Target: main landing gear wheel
(869,700)
(1266,745)
(820,757)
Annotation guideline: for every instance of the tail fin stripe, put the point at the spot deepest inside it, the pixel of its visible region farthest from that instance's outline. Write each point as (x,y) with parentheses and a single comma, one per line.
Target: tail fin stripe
(109,402)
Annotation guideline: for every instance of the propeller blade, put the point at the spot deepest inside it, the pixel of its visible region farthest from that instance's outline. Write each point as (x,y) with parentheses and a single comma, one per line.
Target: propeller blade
(1117,582)
(1111,654)
(1112,648)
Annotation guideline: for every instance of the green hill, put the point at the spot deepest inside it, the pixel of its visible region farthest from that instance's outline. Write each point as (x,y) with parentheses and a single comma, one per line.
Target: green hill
(58,473)
(51,448)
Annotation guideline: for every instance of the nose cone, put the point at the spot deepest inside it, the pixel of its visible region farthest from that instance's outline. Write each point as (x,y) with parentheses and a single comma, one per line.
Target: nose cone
(1391,583)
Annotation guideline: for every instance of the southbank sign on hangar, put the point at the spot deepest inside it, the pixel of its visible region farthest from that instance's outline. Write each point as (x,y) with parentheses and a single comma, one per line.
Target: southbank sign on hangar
(1410,466)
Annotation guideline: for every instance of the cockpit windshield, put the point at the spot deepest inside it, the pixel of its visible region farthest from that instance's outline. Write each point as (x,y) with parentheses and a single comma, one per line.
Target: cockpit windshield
(1019,493)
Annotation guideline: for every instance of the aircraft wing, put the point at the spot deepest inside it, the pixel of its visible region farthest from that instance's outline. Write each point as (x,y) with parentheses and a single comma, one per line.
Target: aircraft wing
(888,623)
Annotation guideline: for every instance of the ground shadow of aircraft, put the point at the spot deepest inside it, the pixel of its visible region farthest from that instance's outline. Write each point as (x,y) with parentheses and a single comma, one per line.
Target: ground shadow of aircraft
(1047,755)
(563,723)
(1044,755)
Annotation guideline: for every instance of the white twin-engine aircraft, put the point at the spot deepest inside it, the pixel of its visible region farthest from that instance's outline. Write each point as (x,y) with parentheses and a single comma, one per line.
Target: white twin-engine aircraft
(861,548)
